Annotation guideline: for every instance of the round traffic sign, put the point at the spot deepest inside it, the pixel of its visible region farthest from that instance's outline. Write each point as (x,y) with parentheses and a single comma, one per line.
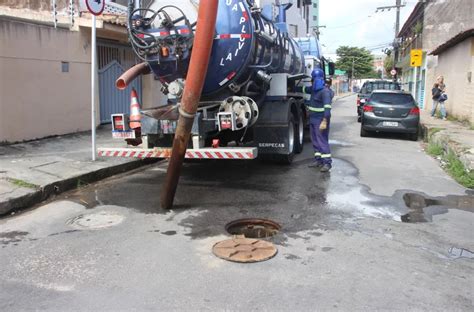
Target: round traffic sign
(96,7)
(393,72)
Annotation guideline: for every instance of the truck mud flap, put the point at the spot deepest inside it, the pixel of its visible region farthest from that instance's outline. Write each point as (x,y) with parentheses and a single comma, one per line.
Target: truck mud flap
(271,130)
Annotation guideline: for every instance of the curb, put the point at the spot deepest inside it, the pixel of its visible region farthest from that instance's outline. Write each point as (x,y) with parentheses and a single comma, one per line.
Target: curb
(442,138)
(40,195)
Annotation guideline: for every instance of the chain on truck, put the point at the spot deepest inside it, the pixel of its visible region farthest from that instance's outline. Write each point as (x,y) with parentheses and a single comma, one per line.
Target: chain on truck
(252,101)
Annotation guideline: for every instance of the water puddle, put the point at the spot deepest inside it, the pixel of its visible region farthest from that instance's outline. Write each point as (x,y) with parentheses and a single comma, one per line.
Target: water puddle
(457,253)
(12,237)
(340,143)
(423,208)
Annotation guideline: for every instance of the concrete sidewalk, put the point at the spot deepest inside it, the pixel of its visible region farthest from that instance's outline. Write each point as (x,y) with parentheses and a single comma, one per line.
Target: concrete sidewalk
(31,172)
(452,136)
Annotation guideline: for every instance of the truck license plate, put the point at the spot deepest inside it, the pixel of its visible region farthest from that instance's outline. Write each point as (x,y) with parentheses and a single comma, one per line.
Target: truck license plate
(390,124)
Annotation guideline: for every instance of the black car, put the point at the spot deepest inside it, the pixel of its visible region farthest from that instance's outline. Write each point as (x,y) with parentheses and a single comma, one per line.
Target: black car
(390,111)
(368,87)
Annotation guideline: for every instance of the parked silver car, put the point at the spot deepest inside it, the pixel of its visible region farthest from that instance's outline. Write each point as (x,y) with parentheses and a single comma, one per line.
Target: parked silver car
(390,111)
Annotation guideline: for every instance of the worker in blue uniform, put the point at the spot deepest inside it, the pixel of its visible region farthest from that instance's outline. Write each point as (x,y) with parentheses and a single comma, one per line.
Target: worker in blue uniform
(320,118)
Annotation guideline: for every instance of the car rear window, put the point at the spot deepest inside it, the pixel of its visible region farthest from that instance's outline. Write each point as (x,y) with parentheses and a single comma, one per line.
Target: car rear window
(392,98)
(368,87)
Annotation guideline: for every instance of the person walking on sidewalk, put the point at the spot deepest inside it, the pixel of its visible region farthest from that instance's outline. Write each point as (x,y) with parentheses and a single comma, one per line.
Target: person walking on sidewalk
(437,95)
(328,84)
(440,81)
(320,117)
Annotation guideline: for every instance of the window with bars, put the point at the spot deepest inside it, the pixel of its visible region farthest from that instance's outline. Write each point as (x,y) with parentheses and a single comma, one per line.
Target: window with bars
(108,52)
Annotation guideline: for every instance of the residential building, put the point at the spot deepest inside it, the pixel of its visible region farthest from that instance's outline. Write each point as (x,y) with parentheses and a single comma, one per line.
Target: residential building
(410,38)
(297,17)
(450,52)
(45,61)
(314,16)
(455,61)
(443,31)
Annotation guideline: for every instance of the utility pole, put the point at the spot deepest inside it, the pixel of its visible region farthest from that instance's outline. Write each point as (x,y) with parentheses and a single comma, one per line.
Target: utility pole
(316,30)
(398,5)
(352,73)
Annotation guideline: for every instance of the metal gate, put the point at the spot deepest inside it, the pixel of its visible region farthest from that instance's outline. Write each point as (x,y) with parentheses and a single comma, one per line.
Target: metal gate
(113,60)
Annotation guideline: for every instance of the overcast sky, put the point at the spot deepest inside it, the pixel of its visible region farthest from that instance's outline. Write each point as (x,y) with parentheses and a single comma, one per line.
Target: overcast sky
(355,23)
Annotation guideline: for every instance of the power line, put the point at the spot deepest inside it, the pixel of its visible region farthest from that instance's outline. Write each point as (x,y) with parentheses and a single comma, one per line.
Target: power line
(398,5)
(350,24)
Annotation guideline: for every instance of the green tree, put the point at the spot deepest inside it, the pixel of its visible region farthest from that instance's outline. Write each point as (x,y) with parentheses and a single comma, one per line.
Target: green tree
(358,58)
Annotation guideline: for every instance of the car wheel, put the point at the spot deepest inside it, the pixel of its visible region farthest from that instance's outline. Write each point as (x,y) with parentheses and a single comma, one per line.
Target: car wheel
(413,136)
(364,133)
(359,119)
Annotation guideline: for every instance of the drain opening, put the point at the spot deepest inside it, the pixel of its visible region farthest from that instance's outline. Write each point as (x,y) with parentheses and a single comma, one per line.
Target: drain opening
(253,228)
(98,220)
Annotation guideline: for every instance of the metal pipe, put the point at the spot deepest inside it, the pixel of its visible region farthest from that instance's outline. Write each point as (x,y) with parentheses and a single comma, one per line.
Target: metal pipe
(93,72)
(133,72)
(205,29)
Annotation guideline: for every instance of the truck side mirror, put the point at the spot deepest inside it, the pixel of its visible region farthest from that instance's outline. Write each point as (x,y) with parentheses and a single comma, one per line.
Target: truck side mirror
(331,68)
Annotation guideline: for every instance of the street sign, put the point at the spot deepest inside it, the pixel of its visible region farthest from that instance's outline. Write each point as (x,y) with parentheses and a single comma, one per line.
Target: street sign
(416,57)
(96,7)
(393,72)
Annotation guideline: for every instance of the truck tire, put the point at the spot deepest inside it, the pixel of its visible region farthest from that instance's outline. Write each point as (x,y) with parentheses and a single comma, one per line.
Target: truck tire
(299,131)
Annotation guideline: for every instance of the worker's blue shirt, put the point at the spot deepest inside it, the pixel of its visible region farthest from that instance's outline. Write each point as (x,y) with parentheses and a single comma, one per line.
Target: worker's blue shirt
(320,103)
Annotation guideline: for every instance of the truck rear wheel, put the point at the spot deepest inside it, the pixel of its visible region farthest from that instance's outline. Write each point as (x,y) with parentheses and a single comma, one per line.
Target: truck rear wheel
(299,132)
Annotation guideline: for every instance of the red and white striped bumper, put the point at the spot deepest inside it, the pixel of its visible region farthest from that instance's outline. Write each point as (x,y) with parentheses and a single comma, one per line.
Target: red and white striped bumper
(202,153)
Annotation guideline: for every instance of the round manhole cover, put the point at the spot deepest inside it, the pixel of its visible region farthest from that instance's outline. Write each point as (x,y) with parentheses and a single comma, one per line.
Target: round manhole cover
(97,220)
(244,250)
(253,228)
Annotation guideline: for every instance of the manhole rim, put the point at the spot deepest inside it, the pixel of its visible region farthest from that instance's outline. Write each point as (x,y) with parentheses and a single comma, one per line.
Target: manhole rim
(75,222)
(256,221)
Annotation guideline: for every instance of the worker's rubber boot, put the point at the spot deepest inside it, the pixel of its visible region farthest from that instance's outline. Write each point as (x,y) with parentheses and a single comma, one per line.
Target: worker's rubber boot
(325,168)
(315,164)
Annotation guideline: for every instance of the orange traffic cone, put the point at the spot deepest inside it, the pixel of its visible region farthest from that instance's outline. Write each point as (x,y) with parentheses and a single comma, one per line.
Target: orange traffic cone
(135,117)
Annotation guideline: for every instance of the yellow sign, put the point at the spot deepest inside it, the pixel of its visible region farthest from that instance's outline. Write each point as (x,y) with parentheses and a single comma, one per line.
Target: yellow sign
(416,58)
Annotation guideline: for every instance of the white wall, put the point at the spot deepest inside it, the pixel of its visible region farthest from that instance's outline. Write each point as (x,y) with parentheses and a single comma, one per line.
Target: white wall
(455,64)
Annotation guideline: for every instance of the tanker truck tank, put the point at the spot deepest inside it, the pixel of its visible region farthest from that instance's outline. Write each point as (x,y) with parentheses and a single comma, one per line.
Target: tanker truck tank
(248,46)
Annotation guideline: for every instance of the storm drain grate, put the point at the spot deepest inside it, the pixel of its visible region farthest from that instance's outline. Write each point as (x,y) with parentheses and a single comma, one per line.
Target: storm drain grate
(241,249)
(253,228)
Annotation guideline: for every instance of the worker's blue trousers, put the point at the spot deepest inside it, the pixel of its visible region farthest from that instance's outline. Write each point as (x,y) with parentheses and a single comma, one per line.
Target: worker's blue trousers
(320,139)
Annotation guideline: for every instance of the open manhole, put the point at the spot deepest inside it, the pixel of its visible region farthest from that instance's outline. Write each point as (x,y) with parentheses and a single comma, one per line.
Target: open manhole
(253,228)
(241,249)
(97,220)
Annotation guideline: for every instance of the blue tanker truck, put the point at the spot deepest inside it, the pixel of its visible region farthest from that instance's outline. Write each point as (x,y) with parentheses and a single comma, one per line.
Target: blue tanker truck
(252,102)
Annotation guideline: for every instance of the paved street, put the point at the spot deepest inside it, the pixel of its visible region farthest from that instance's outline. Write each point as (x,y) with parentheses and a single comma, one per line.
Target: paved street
(342,245)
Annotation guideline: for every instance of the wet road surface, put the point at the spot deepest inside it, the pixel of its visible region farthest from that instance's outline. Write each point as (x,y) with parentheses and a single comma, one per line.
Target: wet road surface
(343,245)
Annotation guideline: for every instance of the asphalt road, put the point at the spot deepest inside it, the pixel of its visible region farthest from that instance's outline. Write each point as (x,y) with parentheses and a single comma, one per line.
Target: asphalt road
(342,246)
